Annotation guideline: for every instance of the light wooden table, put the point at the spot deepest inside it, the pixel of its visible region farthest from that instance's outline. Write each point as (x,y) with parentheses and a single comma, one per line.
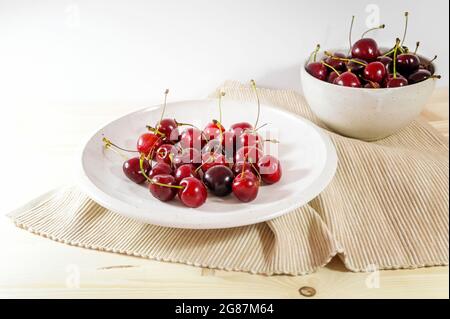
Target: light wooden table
(41,141)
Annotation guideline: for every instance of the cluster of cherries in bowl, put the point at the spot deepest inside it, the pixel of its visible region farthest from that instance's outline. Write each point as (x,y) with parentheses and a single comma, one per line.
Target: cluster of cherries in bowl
(366,66)
(187,163)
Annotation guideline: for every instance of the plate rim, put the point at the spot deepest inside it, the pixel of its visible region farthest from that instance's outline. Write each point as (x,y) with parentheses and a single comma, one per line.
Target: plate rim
(105,200)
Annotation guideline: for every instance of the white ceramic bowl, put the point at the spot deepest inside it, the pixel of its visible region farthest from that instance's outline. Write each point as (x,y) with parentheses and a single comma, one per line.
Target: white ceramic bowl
(366,114)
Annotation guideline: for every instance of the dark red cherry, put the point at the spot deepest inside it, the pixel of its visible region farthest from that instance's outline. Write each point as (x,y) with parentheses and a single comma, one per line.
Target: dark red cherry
(148,142)
(160,187)
(210,160)
(407,63)
(160,169)
(419,76)
(269,169)
(192,138)
(187,156)
(399,81)
(366,49)
(348,79)
(132,170)
(356,66)
(169,127)
(219,180)
(238,128)
(387,62)
(331,77)
(317,70)
(245,187)
(165,153)
(185,170)
(248,154)
(194,193)
(374,72)
(336,63)
(249,139)
(241,167)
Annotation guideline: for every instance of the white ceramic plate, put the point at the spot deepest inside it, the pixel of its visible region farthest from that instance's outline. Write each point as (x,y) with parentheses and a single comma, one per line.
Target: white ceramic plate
(307,156)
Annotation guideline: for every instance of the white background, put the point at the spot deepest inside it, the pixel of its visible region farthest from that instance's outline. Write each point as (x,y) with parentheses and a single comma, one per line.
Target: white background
(100,52)
(67,66)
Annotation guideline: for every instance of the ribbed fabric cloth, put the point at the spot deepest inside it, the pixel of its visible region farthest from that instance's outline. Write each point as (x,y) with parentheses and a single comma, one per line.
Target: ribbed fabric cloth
(386,208)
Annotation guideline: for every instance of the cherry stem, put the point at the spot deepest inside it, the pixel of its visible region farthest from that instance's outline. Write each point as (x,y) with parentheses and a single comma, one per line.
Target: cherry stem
(344,59)
(114,148)
(313,55)
(406,28)
(272,141)
(417,47)
(350,42)
(435,76)
(154,130)
(206,162)
(219,123)
(431,61)
(329,66)
(163,111)
(109,143)
(397,43)
(382,26)
(253,83)
(141,166)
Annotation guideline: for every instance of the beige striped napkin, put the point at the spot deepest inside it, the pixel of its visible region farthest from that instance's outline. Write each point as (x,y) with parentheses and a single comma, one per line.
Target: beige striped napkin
(386,208)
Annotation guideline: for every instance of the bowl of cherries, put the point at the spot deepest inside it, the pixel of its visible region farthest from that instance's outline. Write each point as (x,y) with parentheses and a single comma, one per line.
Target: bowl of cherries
(366,91)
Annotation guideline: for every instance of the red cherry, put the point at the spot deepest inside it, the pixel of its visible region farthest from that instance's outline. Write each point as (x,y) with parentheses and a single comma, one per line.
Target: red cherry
(375,72)
(317,70)
(132,170)
(147,143)
(249,139)
(169,127)
(336,63)
(160,169)
(210,160)
(165,153)
(331,77)
(248,155)
(186,170)
(194,193)
(348,79)
(365,49)
(187,156)
(213,130)
(245,187)
(396,82)
(241,167)
(163,192)
(270,169)
(192,138)
(238,128)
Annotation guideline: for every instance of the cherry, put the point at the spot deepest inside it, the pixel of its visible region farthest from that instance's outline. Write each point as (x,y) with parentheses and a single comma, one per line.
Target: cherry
(245,187)
(185,170)
(219,180)
(421,75)
(210,160)
(160,169)
(372,85)
(269,169)
(407,63)
(194,193)
(374,72)
(336,63)
(169,129)
(213,130)
(365,49)
(387,62)
(395,82)
(148,143)
(332,76)
(248,154)
(160,187)
(165,153)
(131,168)
(187,156)
(249,139)
(239,128)
(317,70)
(192,138)
(241,167)
(356,66)
(348,79)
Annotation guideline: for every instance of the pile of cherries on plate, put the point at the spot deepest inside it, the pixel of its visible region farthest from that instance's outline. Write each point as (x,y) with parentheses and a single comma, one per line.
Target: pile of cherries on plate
(191,161)
(365,66)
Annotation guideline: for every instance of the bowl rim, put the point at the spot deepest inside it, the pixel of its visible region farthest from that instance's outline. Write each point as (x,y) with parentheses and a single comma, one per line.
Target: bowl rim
(306,61)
